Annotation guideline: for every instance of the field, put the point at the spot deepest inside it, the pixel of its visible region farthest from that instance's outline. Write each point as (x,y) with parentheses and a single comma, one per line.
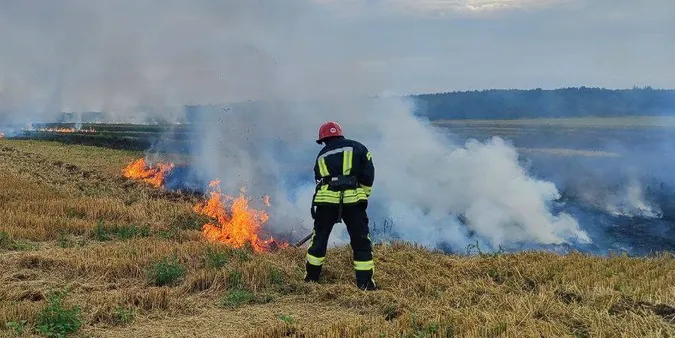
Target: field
(84,249)
(585,122)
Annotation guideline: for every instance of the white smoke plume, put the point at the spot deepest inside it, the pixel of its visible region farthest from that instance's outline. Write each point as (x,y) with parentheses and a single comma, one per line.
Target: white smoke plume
(423,181)
(147,58)
(628,201)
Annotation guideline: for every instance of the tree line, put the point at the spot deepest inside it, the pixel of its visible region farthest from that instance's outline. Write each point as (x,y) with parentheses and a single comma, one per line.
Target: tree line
(481,104)
(539,103)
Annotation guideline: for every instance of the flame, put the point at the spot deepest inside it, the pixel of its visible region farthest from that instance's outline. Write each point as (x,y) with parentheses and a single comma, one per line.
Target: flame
(240,226)
(236,227)
(62,130)
(154,175)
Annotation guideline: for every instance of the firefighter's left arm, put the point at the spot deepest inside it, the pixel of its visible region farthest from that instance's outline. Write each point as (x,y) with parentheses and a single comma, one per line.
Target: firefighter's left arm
(367,174)
(317,174)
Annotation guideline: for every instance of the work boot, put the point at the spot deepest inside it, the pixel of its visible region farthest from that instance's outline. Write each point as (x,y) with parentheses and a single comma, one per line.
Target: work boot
(367,286)
(312,272)
(365,281)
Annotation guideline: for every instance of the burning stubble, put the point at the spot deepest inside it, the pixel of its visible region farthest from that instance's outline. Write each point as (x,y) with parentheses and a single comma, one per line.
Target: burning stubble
(424,182)
(232,221)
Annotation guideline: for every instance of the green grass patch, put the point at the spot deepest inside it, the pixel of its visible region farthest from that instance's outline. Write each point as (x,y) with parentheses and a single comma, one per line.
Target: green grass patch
(124,316)
(167,272)
(216,258)
(8,243)
(58,320)
(65,241)
(288,319)
(235,279)
(172,233)
(17,328)
(100,233)
(131,231)
(275,276)
(237,297)
(189,221)
(104,233)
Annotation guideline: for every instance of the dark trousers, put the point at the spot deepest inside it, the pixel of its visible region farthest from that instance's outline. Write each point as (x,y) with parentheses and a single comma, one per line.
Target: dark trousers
(356,220)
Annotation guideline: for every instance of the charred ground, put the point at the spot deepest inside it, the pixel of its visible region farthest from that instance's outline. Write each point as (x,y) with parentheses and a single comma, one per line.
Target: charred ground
(132,258)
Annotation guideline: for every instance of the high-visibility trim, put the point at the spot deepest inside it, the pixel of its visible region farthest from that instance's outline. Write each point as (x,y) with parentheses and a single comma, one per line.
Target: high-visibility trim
(366,189)
(369,156)
(311,240)
(350,196)
(323,169)
(336,151)
(346,200)
(362,266)
(347,157)
(317,261)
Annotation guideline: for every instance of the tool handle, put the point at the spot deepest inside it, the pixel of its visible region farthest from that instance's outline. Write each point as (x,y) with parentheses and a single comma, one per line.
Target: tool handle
(302,241)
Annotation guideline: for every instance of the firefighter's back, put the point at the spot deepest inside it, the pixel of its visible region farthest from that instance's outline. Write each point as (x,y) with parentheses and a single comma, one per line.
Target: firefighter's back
(334,155)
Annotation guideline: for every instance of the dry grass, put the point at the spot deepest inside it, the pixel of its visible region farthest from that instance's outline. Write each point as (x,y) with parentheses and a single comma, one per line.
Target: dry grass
(56,209)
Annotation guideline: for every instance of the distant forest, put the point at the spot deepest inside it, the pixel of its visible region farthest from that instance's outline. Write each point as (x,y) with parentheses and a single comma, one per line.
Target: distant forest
(538,103)
(484,104)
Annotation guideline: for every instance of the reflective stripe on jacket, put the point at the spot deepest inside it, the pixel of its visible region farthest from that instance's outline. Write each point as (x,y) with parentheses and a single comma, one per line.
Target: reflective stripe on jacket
(347,157)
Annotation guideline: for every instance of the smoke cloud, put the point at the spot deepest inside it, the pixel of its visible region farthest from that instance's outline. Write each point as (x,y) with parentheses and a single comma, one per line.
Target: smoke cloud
(424,182)
(135,59)
(304,62)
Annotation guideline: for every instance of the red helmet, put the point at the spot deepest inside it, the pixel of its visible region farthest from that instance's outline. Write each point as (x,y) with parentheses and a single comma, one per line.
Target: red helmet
(329,129)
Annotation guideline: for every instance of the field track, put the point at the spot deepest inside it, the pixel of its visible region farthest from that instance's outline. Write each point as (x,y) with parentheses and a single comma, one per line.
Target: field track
(133,258)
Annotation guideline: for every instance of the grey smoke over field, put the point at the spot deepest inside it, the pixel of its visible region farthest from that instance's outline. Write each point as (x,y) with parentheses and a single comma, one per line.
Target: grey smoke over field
(136,59)
(132,59)
(311,62)
(424,182)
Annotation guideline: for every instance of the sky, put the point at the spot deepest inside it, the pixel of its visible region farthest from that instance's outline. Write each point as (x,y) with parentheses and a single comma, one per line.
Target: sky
(131,55)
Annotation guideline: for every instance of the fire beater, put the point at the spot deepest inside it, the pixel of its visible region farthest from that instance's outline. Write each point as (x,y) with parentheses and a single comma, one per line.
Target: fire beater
(344,174)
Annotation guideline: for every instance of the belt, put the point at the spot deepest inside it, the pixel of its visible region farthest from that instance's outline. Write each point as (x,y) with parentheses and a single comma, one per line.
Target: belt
(333,179)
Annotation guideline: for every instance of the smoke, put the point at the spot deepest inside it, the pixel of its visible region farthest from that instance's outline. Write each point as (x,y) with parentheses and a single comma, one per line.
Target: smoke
(622,171)
(424,182)
(139,60)
(301,63)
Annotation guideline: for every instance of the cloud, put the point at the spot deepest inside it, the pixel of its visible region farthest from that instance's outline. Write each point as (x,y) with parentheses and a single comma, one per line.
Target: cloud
(476,5)
(131,58)
(441,7)
(136,58)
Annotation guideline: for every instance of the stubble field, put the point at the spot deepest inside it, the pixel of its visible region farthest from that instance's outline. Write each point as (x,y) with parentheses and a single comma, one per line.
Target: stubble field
(86,250)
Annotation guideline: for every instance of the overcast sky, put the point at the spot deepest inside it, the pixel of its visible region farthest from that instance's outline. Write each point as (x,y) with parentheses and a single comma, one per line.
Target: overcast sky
(100,54)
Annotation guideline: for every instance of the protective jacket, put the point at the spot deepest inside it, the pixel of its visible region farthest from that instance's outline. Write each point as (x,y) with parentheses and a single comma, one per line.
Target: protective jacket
(343,166)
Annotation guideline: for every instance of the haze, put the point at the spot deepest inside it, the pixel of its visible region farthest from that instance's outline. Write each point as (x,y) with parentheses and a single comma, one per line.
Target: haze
(130,57)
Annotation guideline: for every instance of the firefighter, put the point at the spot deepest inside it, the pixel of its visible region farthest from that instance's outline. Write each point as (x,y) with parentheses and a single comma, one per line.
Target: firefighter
(344,175)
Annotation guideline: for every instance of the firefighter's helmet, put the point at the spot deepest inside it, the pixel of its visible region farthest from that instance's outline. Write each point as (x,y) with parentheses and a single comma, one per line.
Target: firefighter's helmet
(329,129)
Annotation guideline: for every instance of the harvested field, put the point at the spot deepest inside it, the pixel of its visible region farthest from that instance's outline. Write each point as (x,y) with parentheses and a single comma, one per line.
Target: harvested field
(575,122)
(133,260)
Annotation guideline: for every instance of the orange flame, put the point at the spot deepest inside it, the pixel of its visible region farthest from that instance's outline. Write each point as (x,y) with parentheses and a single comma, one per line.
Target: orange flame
(237,227)
(154,175)
(241,226)
(62,130)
